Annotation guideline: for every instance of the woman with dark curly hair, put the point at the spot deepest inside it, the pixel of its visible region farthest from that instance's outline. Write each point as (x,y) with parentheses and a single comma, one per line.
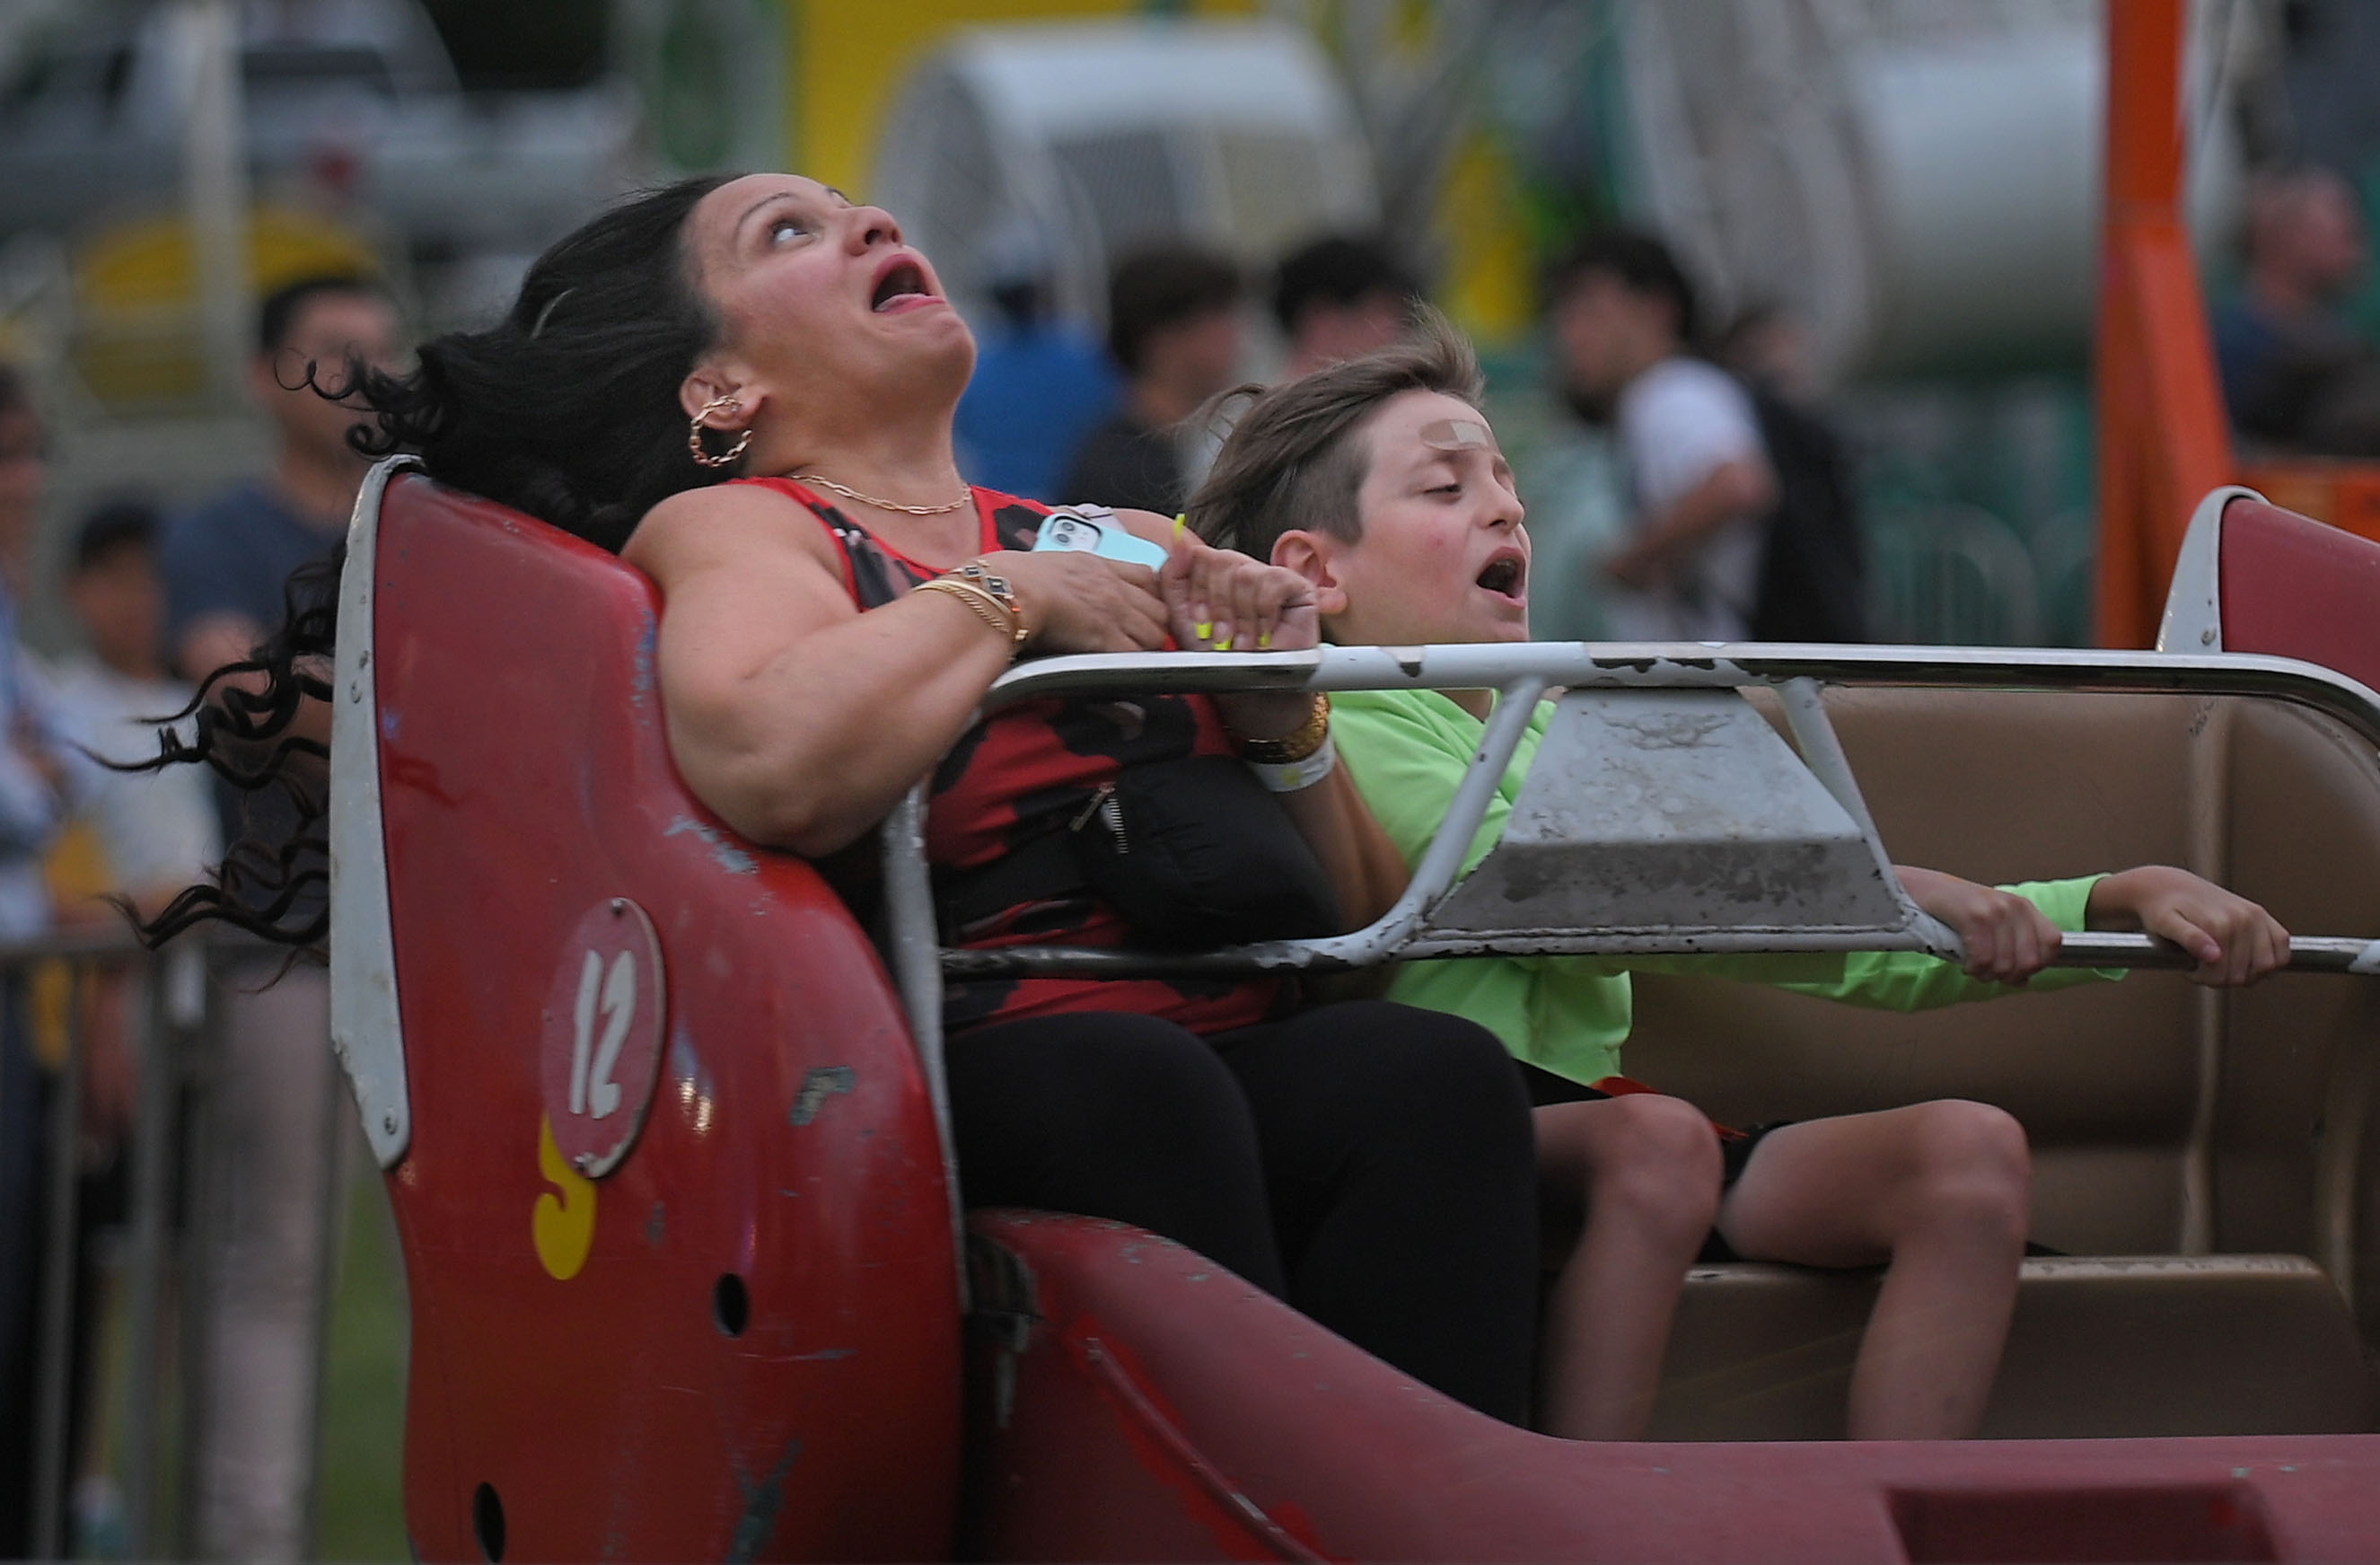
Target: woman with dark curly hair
(744,387)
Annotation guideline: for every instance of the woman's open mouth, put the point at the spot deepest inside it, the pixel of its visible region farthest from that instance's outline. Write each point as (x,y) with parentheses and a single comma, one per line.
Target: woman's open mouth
(902,287)
(1505,576)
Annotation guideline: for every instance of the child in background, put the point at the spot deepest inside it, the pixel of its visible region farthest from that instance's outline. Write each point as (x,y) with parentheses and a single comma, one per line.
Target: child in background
(139,835)
(1381,482)
(155,831)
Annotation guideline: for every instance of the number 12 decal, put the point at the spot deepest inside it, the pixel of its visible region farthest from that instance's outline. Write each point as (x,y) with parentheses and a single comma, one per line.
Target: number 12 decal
(598,1093)
(601,1045)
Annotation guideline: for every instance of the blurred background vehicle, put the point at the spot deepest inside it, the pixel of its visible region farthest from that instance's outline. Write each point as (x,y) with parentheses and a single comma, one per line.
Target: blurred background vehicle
(346,104)
(351,132)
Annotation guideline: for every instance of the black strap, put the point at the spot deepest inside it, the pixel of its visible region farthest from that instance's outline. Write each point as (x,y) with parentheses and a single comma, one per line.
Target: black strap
(1045,869)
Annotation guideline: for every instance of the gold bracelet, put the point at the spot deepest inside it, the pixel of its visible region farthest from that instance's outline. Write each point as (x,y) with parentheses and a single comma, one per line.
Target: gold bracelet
(981,577)
(1296,745)
(987,608)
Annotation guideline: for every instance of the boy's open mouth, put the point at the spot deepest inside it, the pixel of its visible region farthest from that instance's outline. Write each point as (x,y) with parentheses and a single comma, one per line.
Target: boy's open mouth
(904,281)
(1504,577)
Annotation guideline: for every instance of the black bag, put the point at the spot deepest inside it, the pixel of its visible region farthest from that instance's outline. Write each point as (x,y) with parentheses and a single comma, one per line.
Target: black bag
(1192,852)
(1196,854)
(1813,569)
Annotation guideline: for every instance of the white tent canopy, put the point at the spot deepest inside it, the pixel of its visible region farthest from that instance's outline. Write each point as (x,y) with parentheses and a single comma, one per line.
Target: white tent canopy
(1080,142)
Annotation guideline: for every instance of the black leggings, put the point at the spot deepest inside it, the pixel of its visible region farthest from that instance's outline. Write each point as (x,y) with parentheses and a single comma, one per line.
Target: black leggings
(1370,1163)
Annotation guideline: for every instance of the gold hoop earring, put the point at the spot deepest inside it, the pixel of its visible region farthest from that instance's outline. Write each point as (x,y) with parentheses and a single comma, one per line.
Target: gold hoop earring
(695,426)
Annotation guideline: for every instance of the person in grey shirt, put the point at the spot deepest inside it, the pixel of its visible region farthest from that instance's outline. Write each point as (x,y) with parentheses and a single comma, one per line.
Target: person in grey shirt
(227,565)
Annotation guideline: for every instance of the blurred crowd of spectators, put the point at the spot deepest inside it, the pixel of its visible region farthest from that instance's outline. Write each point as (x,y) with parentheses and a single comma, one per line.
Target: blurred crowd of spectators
(160,601)
(1721,504)
(1688,481)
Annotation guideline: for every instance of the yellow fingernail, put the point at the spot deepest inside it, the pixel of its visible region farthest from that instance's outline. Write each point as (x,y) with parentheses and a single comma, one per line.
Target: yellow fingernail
(1202,630)
(1263,642)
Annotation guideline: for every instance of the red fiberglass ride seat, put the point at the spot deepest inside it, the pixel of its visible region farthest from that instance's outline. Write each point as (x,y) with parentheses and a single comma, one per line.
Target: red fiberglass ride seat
(742,1340)
(677,1226)
(2253,577)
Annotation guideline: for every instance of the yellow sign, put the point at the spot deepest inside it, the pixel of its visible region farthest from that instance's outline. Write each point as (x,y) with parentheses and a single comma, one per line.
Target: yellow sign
(849,59)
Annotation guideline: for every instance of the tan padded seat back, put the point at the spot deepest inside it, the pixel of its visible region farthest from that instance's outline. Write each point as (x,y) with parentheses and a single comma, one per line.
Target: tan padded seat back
(2163,1117)
(2296,1148)
(2213,1345)
(2014,785)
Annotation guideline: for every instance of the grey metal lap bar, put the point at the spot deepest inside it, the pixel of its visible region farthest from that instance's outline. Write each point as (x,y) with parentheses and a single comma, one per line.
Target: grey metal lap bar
(1521,673)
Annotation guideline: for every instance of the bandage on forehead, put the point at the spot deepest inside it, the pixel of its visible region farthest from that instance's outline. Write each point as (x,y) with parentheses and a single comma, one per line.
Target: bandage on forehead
(1457,434)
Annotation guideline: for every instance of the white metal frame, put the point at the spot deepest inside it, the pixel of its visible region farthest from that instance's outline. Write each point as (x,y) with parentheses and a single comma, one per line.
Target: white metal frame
(2193,605)
(367,1026)
(1522,672)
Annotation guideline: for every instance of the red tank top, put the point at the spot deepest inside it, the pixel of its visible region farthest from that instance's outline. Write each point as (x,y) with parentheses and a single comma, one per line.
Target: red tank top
(1010,789)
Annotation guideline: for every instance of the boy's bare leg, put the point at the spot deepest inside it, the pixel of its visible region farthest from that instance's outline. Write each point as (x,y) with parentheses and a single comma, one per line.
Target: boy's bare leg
(1941,1192)
(1642,1173)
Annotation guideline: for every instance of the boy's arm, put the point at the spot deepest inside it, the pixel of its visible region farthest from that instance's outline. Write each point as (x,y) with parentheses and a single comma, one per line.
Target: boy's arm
(2009,939)
(1407,770)
(2235,940)
(1909,980)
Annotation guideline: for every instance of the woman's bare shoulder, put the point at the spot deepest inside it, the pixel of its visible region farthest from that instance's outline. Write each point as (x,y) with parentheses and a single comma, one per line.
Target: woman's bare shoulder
(728,524)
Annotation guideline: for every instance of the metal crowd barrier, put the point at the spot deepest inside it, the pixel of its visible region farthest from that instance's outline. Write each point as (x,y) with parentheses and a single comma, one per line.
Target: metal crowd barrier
(175,1019)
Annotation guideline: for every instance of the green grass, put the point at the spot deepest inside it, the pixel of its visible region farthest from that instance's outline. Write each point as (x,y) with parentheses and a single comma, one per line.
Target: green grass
(360,1495)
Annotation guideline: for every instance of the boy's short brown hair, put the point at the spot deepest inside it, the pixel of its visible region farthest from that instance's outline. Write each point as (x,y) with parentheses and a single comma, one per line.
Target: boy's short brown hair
(1289,464)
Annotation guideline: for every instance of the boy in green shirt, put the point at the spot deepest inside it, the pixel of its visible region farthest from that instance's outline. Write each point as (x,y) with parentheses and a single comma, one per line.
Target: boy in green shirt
(1379,481)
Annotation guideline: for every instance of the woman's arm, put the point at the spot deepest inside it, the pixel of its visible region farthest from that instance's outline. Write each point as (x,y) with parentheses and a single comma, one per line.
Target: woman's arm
(801,719)
(1220,600)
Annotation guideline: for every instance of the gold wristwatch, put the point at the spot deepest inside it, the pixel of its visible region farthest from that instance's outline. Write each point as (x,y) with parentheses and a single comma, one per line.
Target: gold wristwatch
(1296,745)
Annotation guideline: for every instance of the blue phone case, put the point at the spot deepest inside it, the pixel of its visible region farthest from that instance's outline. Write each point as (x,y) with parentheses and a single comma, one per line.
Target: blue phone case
(1109,538)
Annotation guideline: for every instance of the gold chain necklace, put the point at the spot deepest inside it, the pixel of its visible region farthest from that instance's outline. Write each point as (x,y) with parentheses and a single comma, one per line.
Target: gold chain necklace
(883,505)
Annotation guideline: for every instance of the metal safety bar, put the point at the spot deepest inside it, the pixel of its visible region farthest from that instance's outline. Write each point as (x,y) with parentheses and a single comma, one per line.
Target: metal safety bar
(174,1031)
(1521,674)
